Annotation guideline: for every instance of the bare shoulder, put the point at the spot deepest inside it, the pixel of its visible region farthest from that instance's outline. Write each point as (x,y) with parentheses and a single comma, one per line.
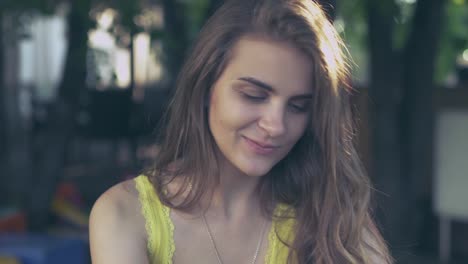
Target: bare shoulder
(121,199)
(117,228)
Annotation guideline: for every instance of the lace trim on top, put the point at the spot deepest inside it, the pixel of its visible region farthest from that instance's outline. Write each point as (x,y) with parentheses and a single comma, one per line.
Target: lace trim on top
(277,251)
(170,239)
(160,228)
(160,244)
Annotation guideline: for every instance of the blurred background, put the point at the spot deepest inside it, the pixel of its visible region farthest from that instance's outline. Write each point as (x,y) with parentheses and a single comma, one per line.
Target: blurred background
(83,85)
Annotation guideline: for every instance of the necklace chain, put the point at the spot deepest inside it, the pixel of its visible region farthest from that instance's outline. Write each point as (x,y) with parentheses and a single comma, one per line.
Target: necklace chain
(216,248)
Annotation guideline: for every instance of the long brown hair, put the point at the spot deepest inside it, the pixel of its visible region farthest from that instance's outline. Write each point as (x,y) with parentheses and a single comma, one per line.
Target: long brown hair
(321,179)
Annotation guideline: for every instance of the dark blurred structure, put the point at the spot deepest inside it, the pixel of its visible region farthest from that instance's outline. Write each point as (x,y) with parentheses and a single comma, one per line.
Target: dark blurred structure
(105,114)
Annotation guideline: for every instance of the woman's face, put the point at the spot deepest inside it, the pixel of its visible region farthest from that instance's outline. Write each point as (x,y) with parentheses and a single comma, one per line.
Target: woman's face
(260,105)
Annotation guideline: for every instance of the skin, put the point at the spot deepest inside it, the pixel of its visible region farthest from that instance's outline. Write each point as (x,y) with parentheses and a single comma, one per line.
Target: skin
(262,96)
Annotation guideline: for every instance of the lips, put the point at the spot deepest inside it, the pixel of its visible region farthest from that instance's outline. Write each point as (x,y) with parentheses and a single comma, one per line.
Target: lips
(260,147)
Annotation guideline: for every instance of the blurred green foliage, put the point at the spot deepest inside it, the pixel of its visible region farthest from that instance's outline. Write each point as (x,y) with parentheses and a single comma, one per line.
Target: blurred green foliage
(351,22)
(454,38)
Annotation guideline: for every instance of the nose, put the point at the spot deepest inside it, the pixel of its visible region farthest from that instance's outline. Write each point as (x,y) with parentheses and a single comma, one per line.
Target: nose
(272,121)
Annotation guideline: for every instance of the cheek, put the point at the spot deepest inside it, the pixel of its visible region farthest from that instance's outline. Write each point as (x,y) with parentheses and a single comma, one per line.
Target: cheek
(224,116)
(297,126)
(215,116)
(229,112)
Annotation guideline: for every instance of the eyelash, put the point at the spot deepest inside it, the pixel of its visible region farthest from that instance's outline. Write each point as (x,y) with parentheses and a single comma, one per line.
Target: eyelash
(259,99)
(254,98)
(299,109)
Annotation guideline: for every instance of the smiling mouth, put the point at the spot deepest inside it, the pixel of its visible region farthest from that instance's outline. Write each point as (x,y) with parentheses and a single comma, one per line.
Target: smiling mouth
(260,148)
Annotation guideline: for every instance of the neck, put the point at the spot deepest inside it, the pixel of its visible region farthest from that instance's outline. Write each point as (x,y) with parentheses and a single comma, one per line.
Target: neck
(236,195)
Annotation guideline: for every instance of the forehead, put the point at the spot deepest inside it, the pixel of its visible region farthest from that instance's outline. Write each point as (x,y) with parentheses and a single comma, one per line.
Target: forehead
(279,64)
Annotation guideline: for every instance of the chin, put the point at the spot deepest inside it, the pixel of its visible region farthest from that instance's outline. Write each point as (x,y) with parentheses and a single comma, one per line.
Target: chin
(256,170)
(256,173)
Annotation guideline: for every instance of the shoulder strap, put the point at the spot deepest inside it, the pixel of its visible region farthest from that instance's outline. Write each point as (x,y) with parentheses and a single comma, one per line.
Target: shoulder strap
(158,224)
(281,232)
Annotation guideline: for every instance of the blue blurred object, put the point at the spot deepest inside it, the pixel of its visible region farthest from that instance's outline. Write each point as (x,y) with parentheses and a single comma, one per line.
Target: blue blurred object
(44,249)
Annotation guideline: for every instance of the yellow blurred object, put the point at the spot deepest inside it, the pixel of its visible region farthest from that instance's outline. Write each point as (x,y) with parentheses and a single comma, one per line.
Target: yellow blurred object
(67,205)
(9,260)
(70,212)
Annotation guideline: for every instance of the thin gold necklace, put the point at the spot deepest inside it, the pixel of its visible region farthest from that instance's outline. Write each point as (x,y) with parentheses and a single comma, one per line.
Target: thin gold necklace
(216,248)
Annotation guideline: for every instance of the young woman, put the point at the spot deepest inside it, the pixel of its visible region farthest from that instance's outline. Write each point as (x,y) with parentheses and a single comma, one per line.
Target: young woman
(257,163)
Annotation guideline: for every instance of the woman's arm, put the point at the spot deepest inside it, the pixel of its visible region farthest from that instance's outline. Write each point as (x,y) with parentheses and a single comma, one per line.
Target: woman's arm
(116,228)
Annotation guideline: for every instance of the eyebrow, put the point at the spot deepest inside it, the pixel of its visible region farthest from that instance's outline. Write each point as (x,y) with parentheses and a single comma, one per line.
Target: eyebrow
(270,88)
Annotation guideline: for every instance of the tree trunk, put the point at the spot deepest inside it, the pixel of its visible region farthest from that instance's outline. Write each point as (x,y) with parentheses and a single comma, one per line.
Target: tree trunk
(176,40)
(384,93)
(3,145)
(418,112)
(15,125)
(53,140)
(401,93)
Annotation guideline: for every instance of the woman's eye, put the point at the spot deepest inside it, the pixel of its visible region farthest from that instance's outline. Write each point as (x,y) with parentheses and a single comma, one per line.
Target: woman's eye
(255,98)
(298,108)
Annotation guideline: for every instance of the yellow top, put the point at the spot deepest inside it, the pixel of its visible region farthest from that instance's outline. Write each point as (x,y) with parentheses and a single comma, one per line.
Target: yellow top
(160,228)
